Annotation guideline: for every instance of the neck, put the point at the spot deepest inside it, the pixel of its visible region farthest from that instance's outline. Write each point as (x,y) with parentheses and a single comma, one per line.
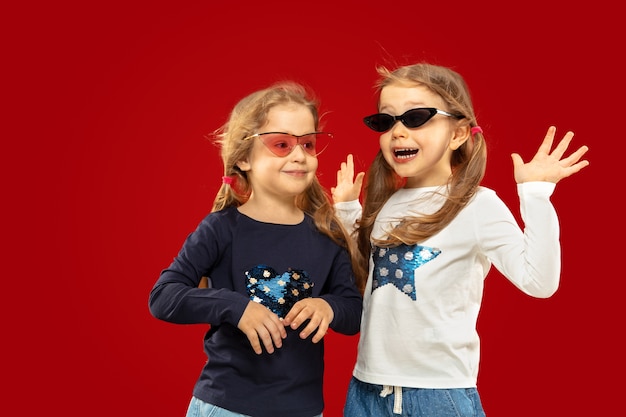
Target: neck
(277,212)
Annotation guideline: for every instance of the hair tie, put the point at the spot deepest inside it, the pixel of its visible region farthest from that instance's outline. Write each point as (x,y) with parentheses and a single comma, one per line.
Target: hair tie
(476,129)
(227,180)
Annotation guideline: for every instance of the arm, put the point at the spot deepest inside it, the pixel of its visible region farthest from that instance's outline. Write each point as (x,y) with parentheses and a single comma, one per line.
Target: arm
(532,260)
(529,258)
(176,297)
(339,307)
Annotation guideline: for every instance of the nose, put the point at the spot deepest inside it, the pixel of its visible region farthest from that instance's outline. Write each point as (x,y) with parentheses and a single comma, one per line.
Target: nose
(398,129)
(298,153)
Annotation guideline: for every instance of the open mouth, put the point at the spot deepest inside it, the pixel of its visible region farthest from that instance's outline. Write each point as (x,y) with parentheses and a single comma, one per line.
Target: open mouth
(405,153)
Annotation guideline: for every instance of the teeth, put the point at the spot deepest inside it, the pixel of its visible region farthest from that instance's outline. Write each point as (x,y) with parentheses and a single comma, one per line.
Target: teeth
(405,153)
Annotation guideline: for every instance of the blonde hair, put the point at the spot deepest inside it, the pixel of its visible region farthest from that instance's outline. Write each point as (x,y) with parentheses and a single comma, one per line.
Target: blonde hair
(246,118)
(468,162)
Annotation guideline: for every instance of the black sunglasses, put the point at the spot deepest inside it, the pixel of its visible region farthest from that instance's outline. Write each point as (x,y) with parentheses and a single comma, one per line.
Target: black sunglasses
(382,122)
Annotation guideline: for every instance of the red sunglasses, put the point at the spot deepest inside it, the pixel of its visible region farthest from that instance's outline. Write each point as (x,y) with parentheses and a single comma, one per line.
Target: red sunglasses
(282,144)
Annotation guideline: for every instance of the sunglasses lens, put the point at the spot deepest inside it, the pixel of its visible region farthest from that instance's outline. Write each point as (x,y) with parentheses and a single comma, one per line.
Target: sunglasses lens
(315,143)
(281,144)
(379,122)
(417,117)
(382,122)
(309,143)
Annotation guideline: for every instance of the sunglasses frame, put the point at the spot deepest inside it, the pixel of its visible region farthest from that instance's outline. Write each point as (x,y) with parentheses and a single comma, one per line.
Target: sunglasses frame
(403,118)
(260,136)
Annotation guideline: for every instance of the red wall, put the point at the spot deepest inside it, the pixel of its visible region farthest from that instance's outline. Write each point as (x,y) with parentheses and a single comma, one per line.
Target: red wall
(106,170)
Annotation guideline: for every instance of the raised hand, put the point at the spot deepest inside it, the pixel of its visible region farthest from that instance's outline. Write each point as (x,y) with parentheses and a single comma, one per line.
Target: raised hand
(348,187)
(317,311)
(262,327)
(547,165)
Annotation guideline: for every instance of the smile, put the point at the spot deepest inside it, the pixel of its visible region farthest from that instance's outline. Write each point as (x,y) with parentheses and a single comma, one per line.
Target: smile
(405,153)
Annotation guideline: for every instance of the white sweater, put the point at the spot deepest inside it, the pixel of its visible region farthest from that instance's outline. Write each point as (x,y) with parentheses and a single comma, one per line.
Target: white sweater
(421,302)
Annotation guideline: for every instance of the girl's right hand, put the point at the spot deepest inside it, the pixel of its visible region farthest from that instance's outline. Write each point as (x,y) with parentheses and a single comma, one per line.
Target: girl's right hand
(348,187)
(262,327)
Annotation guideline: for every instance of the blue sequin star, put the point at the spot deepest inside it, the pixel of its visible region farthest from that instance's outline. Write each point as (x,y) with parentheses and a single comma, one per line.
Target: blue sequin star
(396,265)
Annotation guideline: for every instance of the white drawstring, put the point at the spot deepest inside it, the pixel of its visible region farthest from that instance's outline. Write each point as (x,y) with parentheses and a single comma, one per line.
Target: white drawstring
(397,397)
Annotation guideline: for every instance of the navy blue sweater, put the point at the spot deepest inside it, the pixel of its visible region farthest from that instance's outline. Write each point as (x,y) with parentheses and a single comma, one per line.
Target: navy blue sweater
(272,264)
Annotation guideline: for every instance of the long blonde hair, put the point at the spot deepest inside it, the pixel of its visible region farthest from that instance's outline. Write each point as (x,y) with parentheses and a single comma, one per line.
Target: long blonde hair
(468,162)
(246,118)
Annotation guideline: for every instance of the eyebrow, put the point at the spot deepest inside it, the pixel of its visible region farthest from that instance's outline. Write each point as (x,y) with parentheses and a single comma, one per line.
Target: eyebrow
(411,105)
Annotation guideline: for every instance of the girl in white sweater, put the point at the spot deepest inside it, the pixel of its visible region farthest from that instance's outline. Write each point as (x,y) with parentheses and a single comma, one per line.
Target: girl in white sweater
(431,233)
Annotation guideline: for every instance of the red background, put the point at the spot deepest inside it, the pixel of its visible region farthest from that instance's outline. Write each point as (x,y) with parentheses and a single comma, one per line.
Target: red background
(106,170)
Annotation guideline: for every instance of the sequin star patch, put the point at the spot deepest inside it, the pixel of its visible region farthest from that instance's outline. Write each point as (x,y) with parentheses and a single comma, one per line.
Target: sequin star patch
(396,266)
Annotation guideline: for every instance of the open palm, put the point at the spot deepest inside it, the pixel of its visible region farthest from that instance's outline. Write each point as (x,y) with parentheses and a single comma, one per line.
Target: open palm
(548,166)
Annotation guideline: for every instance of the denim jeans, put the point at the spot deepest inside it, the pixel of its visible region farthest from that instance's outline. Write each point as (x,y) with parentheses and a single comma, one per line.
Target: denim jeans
(365,400)
(198,408)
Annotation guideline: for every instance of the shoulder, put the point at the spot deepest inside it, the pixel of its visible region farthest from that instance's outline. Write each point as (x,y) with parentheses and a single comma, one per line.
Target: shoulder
(484,194)
(485,201)
(230,213)
(309,224)
(485,191)
(225,218)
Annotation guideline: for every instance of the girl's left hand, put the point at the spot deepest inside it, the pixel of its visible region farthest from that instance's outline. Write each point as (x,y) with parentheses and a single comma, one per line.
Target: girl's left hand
(546,166)
(317,311)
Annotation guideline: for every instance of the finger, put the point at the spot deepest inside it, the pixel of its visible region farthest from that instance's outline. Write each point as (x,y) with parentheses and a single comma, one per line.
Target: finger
(563,145)
(267,340)
(309,328)
(293,314)
(574,168)
(300,318)
(342,174)
(301,311)
(322,329)
(575,157)
(272,334)
(255,342)
(546,144)
(281,333)
(350,166)
(518,165)
(358,181)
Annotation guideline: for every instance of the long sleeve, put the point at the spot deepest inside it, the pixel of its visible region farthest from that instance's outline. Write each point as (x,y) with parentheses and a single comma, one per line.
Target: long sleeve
(176,297)
(343,297)
(531,259)
(349,212)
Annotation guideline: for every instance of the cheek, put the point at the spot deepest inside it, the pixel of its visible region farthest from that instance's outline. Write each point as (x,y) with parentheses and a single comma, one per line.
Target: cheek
(385,146)
(260,163)
(384,142)
(311,167)
(314,163)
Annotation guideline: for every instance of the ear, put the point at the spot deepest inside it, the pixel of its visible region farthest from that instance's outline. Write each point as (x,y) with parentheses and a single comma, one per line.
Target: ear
(243,165)
(461,135)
